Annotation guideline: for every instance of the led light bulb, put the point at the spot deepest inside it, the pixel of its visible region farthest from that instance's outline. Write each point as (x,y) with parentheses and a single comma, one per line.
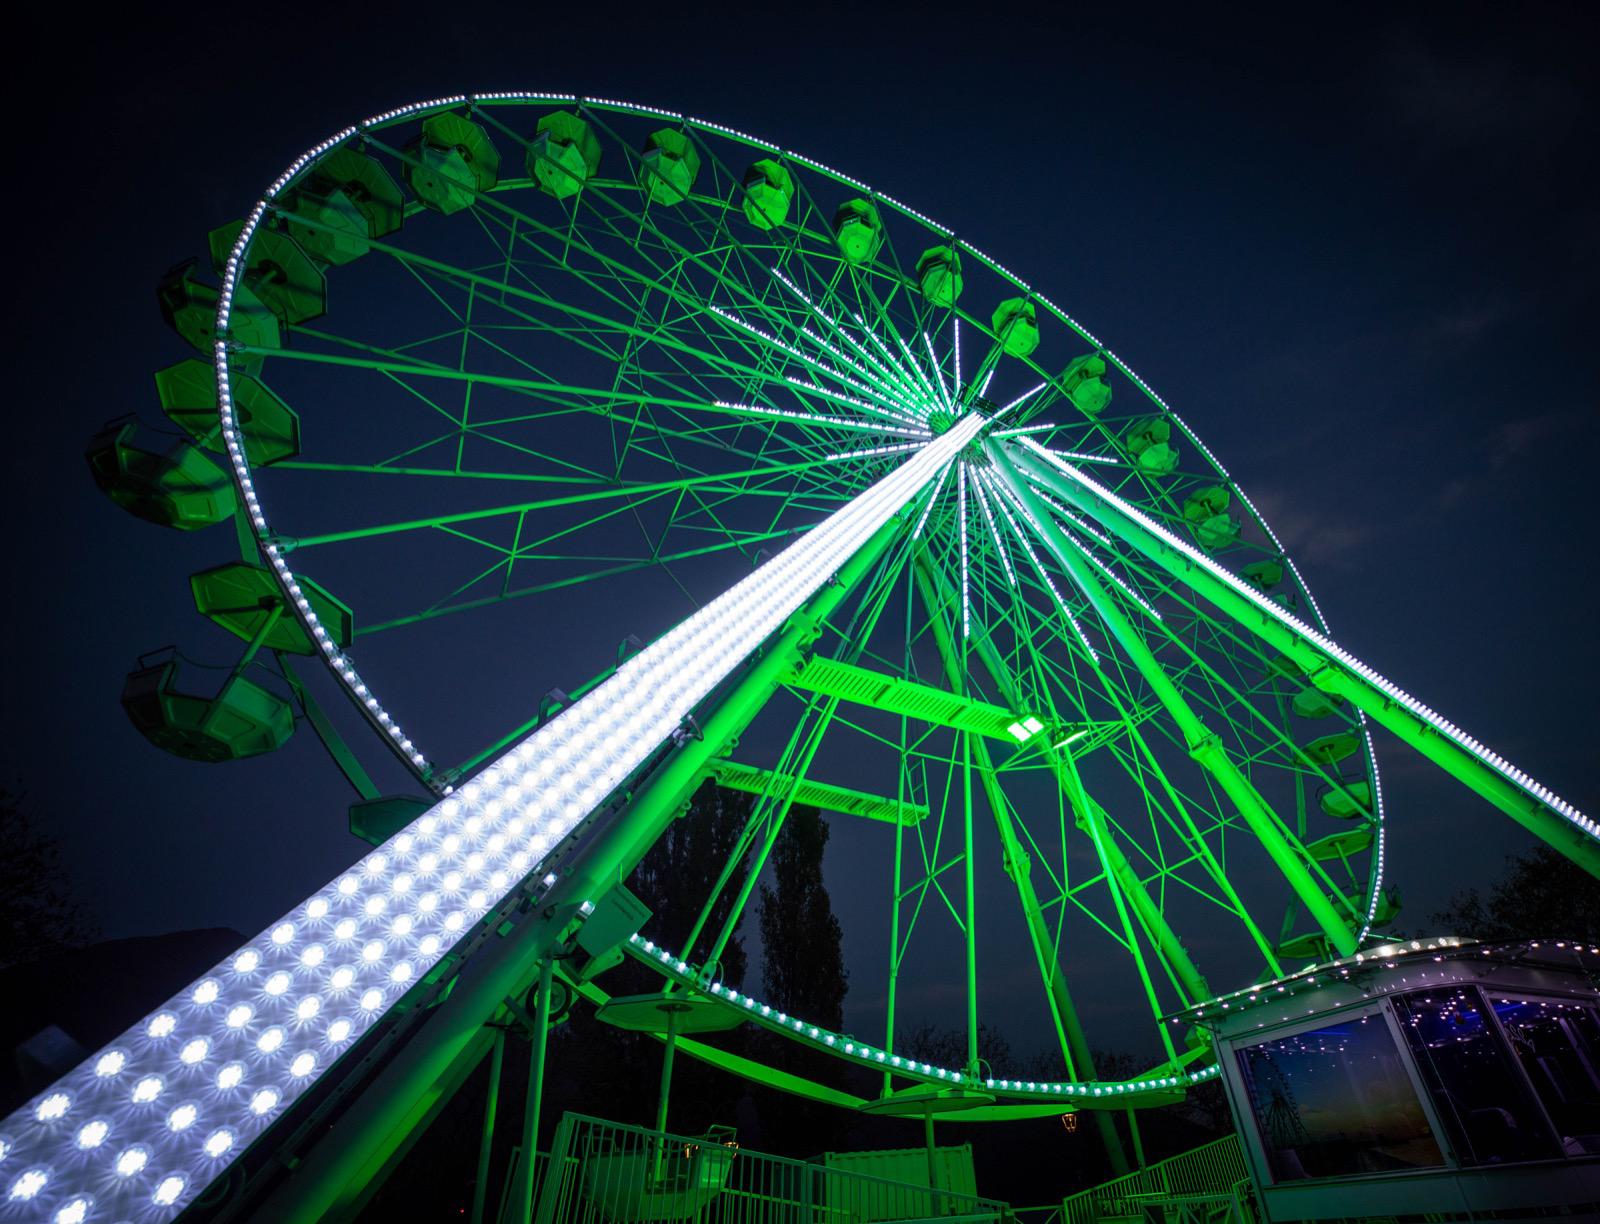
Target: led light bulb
(93,1134)
(182,1118)
(109,1063)
(131,1161)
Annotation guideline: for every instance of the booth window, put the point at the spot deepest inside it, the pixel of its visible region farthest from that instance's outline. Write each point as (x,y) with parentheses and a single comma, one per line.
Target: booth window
(1558,1046)
(1336,1102)
(1481,1098)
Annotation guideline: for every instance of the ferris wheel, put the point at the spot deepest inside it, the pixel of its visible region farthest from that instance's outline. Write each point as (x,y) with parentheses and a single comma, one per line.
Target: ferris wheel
(898,539)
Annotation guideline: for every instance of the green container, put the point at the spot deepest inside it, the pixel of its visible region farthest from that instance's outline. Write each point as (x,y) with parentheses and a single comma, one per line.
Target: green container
(1085,384)
(670,165)
(858,230)
(563,155)
(171,483)
(451,162)
(768,193)
(939,275)
(239,596)
(241,721)
(188,396)
(377,820)
(189,306)
(1016,326)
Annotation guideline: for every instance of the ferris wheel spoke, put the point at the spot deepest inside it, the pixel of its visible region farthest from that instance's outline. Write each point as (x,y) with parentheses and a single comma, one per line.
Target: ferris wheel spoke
(1275,837)
(1046,945)
(696,306)
(574,580)
(1190,836)
(795,763)
(1496,780)
(1115,867)
(726,481)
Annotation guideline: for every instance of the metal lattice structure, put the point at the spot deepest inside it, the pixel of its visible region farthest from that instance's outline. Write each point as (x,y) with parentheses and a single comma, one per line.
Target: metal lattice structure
(1003,596)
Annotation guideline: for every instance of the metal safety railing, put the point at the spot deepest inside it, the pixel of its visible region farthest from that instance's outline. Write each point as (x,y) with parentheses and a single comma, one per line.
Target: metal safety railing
(608,1172)
(1208,1183)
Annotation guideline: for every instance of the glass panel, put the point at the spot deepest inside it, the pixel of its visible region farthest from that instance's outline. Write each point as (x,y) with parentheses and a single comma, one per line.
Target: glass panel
(1482,1101)
(1337,1101)
(1552,1038)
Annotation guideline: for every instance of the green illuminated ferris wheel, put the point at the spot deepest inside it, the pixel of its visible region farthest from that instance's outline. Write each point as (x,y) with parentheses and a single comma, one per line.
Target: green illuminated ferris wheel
(899,539)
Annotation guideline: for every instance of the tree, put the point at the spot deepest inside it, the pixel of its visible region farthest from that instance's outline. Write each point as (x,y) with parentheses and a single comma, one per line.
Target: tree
(803,972)
(678,873)
(38,913)
(947,1047)
(1543,893)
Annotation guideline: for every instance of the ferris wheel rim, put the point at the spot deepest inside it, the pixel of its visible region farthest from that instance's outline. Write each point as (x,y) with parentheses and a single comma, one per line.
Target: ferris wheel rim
(239,466)
(338,662)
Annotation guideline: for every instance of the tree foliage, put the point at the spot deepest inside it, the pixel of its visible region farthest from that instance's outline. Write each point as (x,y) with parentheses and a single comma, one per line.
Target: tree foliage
(680,870)
(1543,893)
(947,1047)
(38,912)
(803,972)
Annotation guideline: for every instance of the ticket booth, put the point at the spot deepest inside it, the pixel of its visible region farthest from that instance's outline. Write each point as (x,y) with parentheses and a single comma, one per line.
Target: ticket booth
(1438,1079)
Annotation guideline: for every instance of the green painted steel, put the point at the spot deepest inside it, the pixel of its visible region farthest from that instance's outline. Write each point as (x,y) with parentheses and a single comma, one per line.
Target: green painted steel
(896,695)
(823,795)
(390,1107)
(1203,743)
(243,720)
(1336,676)
(702,349)
(188,394)
(240,597)
(169,483)
(670,164)
(563,155)
(768,193)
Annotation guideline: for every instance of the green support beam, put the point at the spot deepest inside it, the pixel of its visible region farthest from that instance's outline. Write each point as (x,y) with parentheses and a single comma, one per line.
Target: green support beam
(920,702)
(333,1177)
(1328,666)
(1018,865)
(824,795)
(1204,744)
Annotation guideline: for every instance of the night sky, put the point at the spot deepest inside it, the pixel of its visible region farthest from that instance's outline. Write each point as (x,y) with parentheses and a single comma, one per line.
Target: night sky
(1359,258)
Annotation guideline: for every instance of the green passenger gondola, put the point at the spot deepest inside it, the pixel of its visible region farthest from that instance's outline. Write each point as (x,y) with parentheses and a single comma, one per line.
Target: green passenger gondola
(172,483)
(188,396)
(243,720)
(563,155)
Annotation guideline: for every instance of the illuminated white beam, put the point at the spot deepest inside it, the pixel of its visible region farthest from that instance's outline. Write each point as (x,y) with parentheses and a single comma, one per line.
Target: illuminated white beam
(1262,603)
(144,1125)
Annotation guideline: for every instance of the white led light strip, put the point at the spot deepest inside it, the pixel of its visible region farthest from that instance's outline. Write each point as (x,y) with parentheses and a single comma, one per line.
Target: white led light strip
(664,962)
(144,1125)
(1543,794)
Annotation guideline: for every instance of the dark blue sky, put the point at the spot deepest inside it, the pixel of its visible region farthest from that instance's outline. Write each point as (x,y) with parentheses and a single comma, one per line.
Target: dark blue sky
(1360,258)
